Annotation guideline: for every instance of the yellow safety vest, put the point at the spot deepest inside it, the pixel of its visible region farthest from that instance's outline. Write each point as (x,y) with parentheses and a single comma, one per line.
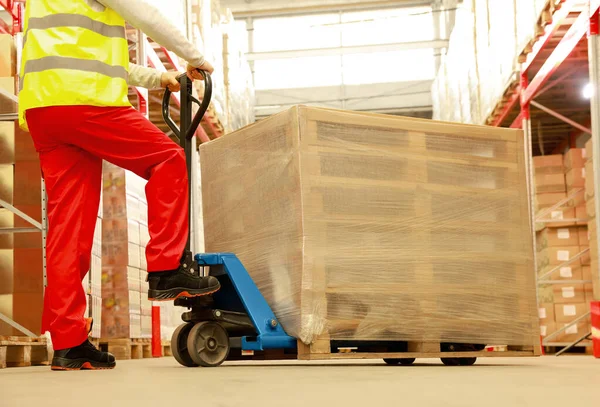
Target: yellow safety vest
(75,52)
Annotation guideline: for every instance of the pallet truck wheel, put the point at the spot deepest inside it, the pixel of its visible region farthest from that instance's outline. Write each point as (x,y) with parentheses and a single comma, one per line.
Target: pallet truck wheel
(404,362)
(208,344)
(179,346)
(467,361)
(451,361)
(459,361)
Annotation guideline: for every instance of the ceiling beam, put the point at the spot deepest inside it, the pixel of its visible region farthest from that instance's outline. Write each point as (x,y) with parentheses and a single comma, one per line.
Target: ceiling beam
(361,49)
(270,8)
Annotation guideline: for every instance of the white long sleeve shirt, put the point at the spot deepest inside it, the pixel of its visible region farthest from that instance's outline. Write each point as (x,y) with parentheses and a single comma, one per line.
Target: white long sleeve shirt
(151,21)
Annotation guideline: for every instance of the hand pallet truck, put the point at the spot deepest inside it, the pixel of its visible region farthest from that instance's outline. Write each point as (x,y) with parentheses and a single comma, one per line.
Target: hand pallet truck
(237,316)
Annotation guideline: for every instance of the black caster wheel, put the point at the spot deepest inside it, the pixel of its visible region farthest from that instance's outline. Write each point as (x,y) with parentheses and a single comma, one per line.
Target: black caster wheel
(208,344)
(467,361)
(179,346)
(459,361)
(404,362)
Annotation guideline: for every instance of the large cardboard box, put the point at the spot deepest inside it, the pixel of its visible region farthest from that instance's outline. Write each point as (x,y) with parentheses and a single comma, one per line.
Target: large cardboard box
(569,312)
(546,312)
(549,164)
(306,196)
(553,256)
(550,199)
(575,178)
(568,293)
(545,183)
(558,237)
(589,179)
(572,333)
(575,158)
(547,328)
(561,217)
(590,206)
(571,272)
(8,105)
(15,144)
(8,55)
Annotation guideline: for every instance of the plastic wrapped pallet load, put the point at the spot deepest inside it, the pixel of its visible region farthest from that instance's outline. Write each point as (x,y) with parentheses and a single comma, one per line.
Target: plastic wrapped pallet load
(373,227)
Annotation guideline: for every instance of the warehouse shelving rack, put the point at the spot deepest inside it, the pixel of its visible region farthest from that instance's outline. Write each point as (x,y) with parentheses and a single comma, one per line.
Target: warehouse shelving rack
(579,18)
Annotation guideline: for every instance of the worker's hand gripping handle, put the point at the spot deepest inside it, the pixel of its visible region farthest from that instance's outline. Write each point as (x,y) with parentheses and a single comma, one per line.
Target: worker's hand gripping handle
(203,106)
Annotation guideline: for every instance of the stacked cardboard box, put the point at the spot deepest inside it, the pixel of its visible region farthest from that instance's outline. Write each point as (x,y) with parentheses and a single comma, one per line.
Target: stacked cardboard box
(556,177)
(406,196)
(21,264)
(92,282)
(593,289)
(124,229)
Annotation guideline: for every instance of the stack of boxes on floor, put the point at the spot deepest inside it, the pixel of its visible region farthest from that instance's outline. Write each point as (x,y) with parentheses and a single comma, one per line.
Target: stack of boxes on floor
(126,313)
(21,263)
(92,282)
(563,237)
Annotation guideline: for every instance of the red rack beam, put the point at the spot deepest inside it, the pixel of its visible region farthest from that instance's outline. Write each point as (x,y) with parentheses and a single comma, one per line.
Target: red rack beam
(512,101)
(518,122)
(594,6)
(562,51)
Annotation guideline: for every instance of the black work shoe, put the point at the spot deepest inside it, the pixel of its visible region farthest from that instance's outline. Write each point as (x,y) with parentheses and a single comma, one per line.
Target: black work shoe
(183,282)
(82,357)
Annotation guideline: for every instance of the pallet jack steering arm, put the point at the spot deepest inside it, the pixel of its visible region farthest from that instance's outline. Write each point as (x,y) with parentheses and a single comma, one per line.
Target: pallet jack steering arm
(188,122)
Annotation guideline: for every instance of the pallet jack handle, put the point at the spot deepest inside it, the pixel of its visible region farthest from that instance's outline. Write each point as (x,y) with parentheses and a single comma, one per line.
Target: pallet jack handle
(188,124)
(187,99)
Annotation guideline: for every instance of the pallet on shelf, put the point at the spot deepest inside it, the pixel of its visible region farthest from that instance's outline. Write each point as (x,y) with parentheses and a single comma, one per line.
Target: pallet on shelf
(19,351)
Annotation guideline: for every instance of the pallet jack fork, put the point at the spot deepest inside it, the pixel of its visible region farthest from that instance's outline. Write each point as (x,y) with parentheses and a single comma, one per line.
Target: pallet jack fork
(237,316)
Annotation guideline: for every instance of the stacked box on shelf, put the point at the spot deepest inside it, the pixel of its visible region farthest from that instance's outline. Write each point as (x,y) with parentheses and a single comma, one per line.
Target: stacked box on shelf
(593,289)
(556,178)
(92,282)
(21,259)
(307,196)
(145,304)
(123,205)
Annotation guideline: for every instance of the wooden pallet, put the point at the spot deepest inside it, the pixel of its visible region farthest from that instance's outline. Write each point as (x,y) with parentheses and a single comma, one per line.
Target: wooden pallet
(18,351)
(126,349)
(323,350)
(583,348)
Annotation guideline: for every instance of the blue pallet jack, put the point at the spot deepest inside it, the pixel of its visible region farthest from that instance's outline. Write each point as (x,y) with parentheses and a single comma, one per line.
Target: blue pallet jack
(237,316)
(237,320)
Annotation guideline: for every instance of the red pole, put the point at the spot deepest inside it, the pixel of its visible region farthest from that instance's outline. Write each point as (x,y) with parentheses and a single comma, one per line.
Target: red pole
(156,338)
(596,328)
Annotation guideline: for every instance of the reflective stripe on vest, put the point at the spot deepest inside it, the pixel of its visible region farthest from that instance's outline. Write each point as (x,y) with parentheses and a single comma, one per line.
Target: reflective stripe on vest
(74,20)
(46,63)
(74,53)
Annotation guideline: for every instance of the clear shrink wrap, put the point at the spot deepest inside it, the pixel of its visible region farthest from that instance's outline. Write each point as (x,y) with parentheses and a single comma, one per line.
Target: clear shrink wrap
(373,227)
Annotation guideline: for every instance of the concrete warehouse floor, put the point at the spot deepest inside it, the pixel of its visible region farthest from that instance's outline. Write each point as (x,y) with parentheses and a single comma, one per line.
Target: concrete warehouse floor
(547,381)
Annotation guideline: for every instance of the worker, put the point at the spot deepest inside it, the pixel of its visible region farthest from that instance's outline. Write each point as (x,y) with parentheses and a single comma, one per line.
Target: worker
(74,79)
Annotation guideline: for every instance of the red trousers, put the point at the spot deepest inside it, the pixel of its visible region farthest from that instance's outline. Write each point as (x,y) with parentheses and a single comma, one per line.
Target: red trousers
(72,141)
